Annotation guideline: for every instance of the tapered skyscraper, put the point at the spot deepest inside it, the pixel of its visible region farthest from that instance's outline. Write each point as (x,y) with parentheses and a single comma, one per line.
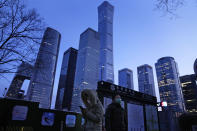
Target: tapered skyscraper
(169,83)
(146,79)
(42,81)
(125,78)
(105,29)
(87,67)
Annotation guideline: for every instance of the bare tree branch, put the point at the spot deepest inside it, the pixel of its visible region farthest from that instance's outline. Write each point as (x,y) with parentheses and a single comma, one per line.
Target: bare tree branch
(169,6)
(20,34)
(3,3)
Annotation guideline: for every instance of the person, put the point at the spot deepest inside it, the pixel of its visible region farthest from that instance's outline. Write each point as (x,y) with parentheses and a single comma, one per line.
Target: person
(115,116)
(94,112)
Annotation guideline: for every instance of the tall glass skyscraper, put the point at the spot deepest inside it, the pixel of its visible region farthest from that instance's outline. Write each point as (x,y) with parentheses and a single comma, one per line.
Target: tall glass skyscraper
(189,88)
(125,78)
(42,81)
(169,83)
(66,81)
(146,79)
(105,29)
(87,68)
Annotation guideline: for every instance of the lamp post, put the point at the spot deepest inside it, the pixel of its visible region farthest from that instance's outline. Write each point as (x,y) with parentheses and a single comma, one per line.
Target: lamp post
(102,67)
(4,92)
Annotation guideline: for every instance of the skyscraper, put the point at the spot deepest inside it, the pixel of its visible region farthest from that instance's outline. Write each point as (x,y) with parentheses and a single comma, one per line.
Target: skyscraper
(146,79)
(189,88)
(125,77)
(105,29)
(24,71)
(195,67)
(87,68)
(66,81)
(146,85)
(169,83)
(41,84)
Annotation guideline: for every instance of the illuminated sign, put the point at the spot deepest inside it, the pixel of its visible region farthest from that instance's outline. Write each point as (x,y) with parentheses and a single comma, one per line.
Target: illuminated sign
(164,104)
(47,119)
(159,108)
(19,113)
(70,120)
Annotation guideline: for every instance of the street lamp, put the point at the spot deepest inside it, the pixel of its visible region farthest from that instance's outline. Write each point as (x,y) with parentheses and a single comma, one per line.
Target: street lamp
(102,67)
(4,92)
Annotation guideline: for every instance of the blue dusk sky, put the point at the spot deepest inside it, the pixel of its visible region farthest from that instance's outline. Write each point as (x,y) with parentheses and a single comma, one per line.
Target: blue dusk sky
(142,34)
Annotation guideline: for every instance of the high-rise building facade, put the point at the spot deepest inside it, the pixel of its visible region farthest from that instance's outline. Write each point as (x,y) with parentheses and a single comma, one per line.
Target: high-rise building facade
(105,29)
(66,80)
(189,88)
(169,83)
(87,68)
(195,67)
(24,71)
(42,81)
(146,79)
(146,85)
(125,78)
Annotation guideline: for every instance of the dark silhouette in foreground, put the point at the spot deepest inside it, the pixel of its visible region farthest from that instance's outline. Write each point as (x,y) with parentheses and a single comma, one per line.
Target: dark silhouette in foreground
(93,113)
(115,116)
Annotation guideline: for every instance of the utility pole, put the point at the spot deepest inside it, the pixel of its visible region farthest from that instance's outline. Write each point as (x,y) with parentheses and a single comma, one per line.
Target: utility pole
(102,67)
(4,93)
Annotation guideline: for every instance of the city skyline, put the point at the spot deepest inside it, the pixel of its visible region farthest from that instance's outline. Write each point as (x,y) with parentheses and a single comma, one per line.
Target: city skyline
(121,54)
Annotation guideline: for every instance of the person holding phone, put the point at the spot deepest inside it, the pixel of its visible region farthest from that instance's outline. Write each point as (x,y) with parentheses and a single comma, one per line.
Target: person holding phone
(94,112)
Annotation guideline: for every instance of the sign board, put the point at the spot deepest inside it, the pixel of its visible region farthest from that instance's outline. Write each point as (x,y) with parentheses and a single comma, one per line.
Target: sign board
(48,119)
(19,113)
(70,120)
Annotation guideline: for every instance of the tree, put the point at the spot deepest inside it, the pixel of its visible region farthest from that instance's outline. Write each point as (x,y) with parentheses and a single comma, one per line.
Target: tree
(20,34)
(169,6)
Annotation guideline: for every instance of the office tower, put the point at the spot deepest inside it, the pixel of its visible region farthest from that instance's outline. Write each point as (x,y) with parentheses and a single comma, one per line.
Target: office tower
(189,89)
(87,68)
(169,83)
(24,71)
(41,84)
(195,67)
(66,81)
(105,29)
(146,79)
(125,77)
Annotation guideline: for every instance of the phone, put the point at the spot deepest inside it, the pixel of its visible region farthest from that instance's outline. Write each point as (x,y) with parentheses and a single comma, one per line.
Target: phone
(81,107)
